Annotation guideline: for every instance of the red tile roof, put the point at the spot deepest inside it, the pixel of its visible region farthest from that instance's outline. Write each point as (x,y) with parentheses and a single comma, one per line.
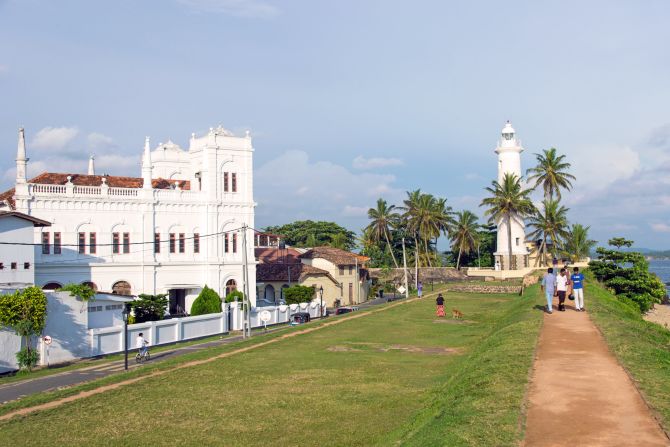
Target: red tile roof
(273,255)
(334,255)
(280,272)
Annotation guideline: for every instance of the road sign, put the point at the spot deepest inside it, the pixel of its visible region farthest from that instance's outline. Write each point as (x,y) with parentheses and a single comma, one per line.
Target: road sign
(401,289)
(265,316)
(47,340)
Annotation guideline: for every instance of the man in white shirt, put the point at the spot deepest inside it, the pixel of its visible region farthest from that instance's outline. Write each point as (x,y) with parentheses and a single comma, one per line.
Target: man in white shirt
(141,343)
(562,282)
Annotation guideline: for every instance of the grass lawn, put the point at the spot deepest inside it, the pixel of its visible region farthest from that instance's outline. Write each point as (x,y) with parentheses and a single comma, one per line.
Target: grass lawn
(642,347)
(375,380)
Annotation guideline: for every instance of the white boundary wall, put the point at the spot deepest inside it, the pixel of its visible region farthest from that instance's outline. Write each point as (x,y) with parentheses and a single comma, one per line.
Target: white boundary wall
(109,340)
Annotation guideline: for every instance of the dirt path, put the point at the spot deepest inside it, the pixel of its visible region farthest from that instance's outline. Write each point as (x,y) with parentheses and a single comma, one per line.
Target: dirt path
(580,395)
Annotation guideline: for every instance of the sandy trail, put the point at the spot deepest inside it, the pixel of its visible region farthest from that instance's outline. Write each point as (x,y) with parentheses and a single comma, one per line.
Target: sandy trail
(580,395)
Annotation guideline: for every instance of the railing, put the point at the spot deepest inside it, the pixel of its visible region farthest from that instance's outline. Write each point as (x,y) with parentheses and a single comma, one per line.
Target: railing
(176,194)
(130,192)
(88,190)
(47,189)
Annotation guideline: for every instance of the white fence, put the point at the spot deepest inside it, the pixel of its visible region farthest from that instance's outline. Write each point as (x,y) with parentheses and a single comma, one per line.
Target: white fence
(109,340)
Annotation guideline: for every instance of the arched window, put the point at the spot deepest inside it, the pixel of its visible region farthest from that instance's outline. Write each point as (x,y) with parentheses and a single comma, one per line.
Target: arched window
(121,288)
(92,285)
(269,293)
(231,285)
(51,286)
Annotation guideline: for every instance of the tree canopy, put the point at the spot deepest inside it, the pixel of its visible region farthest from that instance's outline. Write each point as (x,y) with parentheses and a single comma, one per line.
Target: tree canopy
(309,233)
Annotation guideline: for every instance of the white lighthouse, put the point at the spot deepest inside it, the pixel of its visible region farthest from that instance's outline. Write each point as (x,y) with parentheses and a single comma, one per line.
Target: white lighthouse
(509,162)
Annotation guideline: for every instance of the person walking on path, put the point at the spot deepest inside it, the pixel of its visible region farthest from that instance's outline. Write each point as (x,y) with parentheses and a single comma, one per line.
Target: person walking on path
(440,305)
(419,289)
(577,279)
(548,285)
(562,282)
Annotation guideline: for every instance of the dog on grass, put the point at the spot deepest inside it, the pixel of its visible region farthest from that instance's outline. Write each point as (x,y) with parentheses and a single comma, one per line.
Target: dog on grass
(455,313)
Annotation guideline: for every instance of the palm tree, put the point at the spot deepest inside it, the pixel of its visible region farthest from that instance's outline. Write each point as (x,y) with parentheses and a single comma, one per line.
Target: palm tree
(577,243)
(550,223)
(383,217)
(464,234)
(508,201)
(551,173)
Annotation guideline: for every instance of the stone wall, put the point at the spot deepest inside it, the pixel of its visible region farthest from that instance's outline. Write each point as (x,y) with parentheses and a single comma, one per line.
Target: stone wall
(426,275)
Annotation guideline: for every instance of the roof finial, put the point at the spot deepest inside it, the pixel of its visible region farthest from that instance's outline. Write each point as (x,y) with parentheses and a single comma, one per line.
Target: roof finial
(146,165)
(91,165)
(21,160)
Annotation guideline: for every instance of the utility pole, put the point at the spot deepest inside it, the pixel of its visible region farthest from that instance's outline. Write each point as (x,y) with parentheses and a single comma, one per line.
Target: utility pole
(416,267)
(246,333)
(404,263)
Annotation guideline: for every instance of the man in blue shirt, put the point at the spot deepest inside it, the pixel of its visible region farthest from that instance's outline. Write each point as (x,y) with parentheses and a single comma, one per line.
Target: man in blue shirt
(548,285)
(578,288)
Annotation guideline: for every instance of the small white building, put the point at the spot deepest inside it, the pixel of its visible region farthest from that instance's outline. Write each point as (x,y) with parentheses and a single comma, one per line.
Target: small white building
(177,227)
(509,162)
(17,253)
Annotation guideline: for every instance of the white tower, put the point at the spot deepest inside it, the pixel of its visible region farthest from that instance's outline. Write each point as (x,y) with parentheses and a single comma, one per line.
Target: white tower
(91,165)
(21,160)
(509,162)
(146,165)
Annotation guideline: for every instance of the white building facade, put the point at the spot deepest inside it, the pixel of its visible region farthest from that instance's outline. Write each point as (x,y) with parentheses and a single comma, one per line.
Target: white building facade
(173,230)
(509,162)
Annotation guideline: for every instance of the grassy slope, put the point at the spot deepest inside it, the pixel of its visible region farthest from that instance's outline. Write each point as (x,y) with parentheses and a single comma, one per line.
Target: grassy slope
(643,348)
(480,403)
(299,392)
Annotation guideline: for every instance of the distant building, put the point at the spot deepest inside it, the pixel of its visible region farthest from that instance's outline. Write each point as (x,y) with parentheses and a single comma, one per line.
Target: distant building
(509,162)
(17,254)
(172,230)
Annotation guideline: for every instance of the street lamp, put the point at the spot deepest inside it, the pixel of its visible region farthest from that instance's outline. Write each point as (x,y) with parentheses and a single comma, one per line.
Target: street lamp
(126,314)
(479,259)
(321,297)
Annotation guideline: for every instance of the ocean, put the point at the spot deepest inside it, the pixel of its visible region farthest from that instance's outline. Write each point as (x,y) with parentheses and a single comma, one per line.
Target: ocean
(662,269)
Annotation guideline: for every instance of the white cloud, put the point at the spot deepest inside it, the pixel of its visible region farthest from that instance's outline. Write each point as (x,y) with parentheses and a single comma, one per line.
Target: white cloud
(597,167)
(361,162)
(292,187)
(99,141)
(117,164)
(660,227)
(239,8)
(54,138)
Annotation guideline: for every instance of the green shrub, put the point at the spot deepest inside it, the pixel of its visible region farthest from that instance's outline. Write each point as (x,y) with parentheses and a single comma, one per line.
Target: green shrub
(149,307)
(81,291)
(27,358)
(298,294)
(235,295)
(25,313)
(208,302)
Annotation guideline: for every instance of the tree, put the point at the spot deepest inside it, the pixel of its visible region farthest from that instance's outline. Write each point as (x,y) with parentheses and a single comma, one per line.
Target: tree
(508,201)
(577,243)
(425,218)
(25,313)
(298,294)
(464,235)
(551,173)
(207,302)
(619,242)
(627,274)
(149,307)
(308,233)
(235,295)
(383,219)
(550,223)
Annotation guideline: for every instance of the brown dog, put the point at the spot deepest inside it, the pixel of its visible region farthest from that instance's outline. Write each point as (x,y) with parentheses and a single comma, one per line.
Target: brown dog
(455,313)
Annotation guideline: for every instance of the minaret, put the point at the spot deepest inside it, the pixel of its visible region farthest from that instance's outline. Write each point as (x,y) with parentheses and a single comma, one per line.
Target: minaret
(91,165)
(509,162)
(146,165)
(21,160)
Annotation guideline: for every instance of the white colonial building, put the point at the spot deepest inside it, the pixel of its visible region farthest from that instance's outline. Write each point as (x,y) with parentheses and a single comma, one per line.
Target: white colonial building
(173,230)
(509,162)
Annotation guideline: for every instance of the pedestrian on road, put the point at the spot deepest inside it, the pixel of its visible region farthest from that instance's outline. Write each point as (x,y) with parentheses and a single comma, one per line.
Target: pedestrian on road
(577,279)
(419,289)
(562,283)
(440,305)
(548,285)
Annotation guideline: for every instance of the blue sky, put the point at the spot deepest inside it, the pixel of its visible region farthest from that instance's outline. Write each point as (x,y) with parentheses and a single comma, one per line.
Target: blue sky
(351,100)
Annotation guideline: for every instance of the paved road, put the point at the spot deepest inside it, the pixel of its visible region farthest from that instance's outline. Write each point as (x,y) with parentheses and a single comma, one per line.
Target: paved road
(580,395)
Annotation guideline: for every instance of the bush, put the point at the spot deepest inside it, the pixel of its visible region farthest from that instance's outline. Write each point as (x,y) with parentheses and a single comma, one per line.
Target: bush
(27,358)
(25,313)
(298,294)
(149,307)
(235,295)
(208,302)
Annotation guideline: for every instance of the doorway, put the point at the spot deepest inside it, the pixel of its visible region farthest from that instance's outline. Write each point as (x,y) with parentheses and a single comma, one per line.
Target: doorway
(177,302)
